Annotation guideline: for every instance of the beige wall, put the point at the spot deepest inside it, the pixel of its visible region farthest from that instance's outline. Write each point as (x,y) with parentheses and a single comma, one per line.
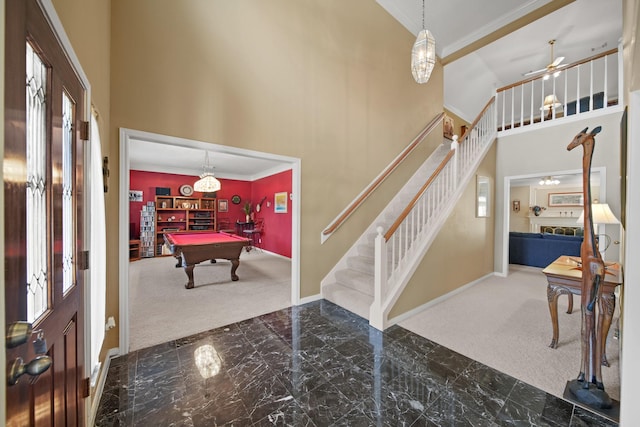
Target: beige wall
(463,237)
(324,81)
(519,221)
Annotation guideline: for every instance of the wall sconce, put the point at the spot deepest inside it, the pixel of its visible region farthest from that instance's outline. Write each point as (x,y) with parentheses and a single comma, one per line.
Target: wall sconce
(516,205)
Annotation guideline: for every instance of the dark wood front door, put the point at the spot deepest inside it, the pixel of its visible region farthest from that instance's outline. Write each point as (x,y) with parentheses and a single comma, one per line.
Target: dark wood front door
(44,211)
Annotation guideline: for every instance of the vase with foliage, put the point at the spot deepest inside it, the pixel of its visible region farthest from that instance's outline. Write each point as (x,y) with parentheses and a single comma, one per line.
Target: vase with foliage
(247,211)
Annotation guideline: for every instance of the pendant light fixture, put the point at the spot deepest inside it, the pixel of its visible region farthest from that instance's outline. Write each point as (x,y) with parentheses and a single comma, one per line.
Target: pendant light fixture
(423,54)
(207,182)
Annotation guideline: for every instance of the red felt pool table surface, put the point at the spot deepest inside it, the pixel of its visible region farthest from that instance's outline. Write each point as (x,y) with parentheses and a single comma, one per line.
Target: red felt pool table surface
(191,248)
(200,238)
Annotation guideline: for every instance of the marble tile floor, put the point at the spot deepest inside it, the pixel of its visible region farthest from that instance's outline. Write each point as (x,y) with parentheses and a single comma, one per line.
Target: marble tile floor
(319,365)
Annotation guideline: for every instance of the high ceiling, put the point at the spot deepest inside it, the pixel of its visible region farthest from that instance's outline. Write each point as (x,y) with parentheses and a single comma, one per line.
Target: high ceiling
(582,28)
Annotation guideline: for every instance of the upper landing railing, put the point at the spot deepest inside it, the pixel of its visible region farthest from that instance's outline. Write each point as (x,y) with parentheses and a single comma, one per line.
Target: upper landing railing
(584,86)
(346,213)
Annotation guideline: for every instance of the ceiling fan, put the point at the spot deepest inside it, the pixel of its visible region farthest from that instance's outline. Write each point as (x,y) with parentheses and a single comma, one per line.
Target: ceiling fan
(554,65)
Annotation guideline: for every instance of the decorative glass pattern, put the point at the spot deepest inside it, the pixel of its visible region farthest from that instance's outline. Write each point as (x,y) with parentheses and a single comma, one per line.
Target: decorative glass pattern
(36,133)
(67,193)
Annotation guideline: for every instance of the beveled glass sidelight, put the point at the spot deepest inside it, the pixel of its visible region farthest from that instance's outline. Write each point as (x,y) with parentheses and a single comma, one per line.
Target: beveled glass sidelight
(68,276)
(36,197)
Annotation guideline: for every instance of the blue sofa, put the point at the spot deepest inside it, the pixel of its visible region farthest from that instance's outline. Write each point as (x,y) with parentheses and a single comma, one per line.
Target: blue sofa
(541,249)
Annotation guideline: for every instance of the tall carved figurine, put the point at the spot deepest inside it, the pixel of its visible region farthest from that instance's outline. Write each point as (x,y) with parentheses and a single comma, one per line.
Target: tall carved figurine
(588,387)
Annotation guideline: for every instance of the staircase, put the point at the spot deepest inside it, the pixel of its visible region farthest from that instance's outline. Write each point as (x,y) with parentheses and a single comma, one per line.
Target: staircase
(352,286)
(373,273)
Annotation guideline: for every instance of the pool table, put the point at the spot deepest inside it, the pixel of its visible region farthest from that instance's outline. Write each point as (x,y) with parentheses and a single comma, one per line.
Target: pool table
(193,247)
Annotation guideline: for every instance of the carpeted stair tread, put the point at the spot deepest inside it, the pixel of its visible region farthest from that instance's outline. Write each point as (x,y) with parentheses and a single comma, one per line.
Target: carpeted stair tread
(356,280)
(348,298)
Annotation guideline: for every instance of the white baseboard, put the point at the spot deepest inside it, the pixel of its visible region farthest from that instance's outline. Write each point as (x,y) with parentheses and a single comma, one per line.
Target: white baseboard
(438,300)
(274,254)
(111,353)
(309,299)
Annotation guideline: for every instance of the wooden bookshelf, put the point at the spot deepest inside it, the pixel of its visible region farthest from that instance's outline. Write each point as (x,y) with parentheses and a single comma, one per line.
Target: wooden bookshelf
(177,213)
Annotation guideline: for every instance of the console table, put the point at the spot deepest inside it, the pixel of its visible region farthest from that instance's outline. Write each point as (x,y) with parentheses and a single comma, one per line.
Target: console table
(564,277)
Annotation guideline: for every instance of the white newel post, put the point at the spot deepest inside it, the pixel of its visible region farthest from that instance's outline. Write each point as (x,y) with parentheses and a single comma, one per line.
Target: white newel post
(376,311)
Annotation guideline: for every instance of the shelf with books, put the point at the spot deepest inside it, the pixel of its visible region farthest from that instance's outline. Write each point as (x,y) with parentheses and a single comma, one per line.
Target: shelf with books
(177,213)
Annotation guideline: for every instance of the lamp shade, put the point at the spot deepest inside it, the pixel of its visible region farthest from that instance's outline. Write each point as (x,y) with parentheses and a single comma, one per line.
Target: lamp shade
(600,214)
(551,101)
(207,183)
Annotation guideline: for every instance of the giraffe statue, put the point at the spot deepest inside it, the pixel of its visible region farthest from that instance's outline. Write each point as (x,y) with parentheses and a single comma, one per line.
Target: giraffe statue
(588,387)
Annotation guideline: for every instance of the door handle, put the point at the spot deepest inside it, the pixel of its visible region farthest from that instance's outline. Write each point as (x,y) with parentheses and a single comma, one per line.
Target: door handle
(34,368)
(18,333)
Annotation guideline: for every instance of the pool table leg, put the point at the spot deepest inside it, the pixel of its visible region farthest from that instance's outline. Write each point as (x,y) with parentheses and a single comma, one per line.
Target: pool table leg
(189,270)
(234,266)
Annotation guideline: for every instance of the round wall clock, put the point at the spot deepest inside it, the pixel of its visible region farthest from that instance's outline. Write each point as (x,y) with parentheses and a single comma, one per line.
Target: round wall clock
(186,190)
(235,199)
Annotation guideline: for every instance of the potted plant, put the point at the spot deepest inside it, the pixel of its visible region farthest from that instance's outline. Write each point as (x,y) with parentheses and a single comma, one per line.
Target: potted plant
(247,211)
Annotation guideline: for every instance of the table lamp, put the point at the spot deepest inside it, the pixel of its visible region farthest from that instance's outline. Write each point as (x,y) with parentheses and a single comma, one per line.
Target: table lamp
(600,214)
(550,103)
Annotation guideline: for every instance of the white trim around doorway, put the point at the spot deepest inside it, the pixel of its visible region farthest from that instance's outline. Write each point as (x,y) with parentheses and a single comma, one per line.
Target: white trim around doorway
(126,136)
(506,206)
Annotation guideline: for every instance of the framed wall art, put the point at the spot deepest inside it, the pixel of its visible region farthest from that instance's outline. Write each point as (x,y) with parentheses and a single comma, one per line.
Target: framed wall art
(135,195)
(280,202)
(223,205)
(566,199)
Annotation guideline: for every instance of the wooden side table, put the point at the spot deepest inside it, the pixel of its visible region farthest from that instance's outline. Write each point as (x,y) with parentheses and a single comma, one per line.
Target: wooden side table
(564,277)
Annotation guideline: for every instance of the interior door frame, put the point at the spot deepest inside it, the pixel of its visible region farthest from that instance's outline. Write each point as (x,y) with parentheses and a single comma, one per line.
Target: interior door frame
(52,18)
(503,256)
(126,137)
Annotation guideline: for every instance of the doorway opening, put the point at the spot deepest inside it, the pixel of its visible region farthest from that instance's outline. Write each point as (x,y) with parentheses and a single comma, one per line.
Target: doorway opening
(130,136)
(570,178)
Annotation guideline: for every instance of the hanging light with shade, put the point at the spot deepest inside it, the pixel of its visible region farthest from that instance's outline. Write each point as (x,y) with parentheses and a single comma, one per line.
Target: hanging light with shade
(207,182)
(423,54)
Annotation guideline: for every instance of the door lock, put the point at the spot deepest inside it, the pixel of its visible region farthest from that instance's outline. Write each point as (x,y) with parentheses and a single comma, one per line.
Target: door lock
(34,368)
(18,333)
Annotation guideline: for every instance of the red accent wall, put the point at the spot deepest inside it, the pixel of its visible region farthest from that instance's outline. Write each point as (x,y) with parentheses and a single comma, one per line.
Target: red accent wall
(277,226)
(277,234)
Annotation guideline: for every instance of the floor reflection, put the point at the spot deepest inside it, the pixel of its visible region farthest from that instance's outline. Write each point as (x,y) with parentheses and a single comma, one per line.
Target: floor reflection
(318,365)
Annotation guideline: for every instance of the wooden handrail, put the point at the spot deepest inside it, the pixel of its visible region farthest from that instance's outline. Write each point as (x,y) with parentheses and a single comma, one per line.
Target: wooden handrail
(475,122)
(433,176)
(354,205)
(572,65)
(415,199)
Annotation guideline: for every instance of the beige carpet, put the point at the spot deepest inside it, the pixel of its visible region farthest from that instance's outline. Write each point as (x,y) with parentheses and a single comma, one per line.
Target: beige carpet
(161,309)
(505,323)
